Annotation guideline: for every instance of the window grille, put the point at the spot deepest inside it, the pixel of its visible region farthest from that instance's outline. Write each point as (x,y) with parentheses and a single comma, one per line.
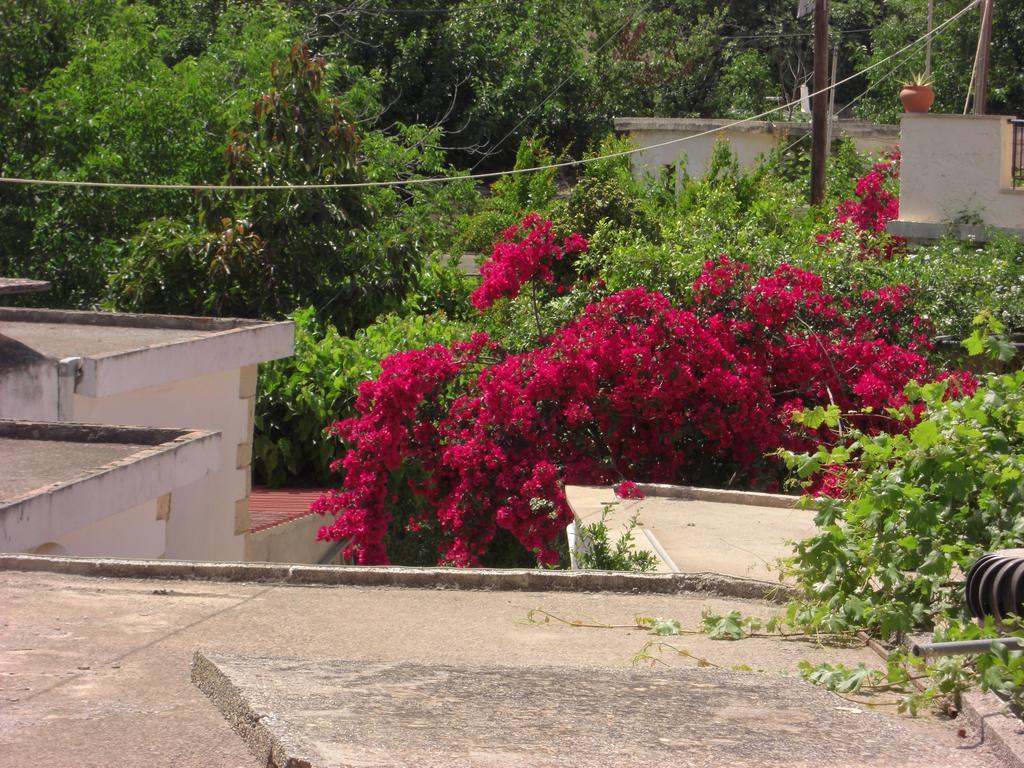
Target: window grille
(1018,153)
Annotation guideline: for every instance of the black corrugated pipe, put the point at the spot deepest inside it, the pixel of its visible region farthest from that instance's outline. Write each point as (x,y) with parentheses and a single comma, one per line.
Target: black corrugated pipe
(994,587)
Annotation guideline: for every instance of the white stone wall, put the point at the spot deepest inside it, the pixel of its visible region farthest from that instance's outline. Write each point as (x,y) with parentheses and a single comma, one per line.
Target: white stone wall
(134,532)
(695,154)
(956,169)
(121,509)
(207,382)
(749,141)
(29,392)
(207,520)
(293,542)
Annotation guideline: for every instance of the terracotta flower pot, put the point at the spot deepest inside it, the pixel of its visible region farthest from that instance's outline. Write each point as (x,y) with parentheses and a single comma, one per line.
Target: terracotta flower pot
(917,98)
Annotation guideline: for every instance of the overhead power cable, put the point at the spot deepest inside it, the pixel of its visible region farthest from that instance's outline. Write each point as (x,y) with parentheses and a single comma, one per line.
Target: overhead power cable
(365,11)
(490,175)
(776,35)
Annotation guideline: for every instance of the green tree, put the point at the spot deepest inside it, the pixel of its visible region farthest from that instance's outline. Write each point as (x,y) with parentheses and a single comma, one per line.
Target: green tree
(265,253)
(281,249)
(117,111)
(953,50)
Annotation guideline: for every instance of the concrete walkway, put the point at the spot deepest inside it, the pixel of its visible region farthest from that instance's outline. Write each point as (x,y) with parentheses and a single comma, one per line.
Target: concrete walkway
(96,672)
(734,534)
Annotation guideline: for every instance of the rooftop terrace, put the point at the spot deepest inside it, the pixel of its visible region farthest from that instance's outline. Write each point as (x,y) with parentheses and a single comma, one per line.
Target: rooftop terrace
(130,669)
(59,477)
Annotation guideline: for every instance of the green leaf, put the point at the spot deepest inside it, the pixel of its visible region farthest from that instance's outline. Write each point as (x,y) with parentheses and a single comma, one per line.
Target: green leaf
(666,627)
(728,627)
(974,344)
(925,435)
(1002,349)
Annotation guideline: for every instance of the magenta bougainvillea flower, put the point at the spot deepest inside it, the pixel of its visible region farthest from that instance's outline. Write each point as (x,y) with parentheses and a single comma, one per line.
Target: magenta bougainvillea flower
(865,218)
(627,489)
(526,253)
(465,440)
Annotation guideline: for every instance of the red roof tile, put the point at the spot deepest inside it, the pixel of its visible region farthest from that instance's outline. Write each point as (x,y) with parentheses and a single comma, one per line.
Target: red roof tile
(270,507)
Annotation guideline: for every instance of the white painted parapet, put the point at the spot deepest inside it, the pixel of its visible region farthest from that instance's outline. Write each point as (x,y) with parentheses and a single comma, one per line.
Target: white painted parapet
(153,370)
(95,490)
(956,174)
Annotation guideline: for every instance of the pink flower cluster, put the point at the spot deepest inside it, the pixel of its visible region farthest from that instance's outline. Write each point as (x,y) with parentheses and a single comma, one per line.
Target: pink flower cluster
(634,389)
(526,252)
(867,216)
(396,426)
(627,489)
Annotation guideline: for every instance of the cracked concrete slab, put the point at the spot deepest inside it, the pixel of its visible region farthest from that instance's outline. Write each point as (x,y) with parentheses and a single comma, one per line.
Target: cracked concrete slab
(95,670)
(350,714)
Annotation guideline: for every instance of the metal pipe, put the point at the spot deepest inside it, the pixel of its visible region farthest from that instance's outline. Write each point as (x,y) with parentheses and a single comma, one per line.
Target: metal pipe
(69,373)
(964,647)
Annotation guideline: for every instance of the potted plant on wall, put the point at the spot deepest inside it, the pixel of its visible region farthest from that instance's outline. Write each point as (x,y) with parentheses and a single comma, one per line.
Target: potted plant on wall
(917,94)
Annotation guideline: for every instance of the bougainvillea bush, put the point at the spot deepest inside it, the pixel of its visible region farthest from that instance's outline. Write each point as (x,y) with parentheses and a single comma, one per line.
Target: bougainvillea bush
(457,444)
(864,219)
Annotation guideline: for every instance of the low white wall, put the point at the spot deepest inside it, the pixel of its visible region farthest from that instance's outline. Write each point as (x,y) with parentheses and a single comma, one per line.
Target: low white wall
(749,141)
(293,542)
(957,168)
(75,511)
(694,155)
(28,392)
(135,532)
(206,382)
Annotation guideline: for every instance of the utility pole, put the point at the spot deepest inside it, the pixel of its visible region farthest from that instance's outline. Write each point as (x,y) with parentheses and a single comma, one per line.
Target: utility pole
(981,86)
(832,96)
(928,42)
(819,109)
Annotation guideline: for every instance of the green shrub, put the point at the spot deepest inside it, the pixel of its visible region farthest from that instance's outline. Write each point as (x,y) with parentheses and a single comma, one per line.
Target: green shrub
(751,216)
(301,395)
(913,514)
(597,552)
(914,507)
(511,197)
(953,280)
(442,287)
(596,201)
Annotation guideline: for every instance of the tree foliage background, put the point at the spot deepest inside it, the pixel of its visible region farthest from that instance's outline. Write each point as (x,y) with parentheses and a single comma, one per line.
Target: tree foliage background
(154,90)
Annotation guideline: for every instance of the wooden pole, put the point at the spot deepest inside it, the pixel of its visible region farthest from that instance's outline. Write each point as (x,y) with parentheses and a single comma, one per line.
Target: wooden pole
(928,44)
(819,109)
(981,87)
(832,97)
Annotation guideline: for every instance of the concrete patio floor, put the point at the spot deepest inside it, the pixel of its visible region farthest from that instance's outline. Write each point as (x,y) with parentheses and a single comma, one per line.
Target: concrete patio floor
(731,533)
(96,672)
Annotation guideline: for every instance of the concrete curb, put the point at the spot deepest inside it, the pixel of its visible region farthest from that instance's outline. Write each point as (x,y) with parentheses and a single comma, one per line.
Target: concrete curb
(297,712)
(985,712)
(1004,735)
(722,496)
(251,729)
(406,577)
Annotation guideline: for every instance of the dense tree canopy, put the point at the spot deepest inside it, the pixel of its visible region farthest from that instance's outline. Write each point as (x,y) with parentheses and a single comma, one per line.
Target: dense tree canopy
(152,91)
